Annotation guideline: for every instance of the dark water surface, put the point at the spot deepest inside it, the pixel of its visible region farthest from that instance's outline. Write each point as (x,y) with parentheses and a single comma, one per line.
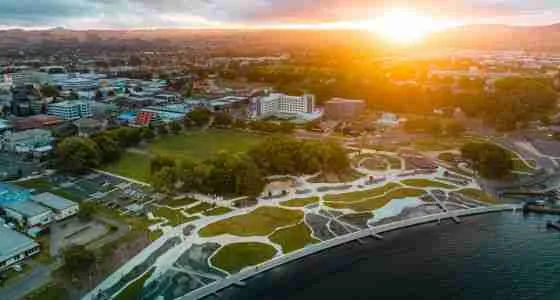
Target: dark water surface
(495,256)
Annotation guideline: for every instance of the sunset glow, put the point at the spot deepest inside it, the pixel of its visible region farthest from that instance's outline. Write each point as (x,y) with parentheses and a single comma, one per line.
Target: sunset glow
(404,26)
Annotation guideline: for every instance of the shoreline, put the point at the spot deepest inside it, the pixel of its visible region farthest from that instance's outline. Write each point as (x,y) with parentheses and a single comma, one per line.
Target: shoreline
(237,279)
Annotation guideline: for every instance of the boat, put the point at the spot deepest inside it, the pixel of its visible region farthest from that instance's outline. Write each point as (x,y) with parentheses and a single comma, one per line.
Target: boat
(553,225)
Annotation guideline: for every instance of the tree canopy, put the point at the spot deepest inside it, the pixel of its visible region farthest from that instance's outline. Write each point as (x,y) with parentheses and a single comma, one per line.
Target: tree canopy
(489,160)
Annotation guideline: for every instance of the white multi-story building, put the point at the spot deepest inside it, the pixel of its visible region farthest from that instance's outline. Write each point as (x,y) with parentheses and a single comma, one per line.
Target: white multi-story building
(282,104)
(71,110)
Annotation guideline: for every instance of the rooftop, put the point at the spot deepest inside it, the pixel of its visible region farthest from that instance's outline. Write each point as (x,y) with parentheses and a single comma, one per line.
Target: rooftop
(13,242)
(10,193)
(53,201)
(26,208)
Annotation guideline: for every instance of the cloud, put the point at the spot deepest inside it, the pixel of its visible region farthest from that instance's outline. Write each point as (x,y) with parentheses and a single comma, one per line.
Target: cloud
(187,13)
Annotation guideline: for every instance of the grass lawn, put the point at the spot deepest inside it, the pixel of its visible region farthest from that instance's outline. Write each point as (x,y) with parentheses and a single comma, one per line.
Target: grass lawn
(378,202)
(134,290)
(374,164)
(346,176)
(361,195)
(49,292)
(293,238)
(196,145)
(260,222)
(132,165)
(479,195)
(180,202)
(202,207)
(300,202)
(218,211)
(234,257)
(200,145)
(425,183)
(175,217)
(523,166)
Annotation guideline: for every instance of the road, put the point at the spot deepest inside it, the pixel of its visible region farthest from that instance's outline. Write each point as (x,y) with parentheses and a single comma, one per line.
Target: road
(39,276)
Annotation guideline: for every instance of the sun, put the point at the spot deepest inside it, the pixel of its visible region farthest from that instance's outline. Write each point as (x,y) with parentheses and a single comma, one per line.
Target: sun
(403,26)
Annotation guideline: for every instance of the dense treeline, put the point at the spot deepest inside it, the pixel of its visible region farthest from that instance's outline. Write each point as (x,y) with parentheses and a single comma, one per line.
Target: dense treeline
(489,160)
(243,174)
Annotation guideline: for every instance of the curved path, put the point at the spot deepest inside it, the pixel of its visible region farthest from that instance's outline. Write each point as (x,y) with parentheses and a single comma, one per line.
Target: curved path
(373,231)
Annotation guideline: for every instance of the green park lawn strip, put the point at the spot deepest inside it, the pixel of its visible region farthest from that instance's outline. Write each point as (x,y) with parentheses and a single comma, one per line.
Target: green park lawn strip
(425,183)
(195,145)
(523,166)
(260,222)
(374,164)
(50,291)
(180,202)
(218,211)
(293,238)
(361,195)
(175,217)
(300,202)
(134,290)
(202,207)
(378,202)
(479,195)
(131,165)
(234,257)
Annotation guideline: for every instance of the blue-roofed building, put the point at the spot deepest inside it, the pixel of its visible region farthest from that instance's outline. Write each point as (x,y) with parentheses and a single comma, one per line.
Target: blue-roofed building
(29,213)
(11,193)
(128,117)
(15,247)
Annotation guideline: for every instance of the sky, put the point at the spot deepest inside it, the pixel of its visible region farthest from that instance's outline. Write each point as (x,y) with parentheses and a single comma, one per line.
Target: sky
(126,14)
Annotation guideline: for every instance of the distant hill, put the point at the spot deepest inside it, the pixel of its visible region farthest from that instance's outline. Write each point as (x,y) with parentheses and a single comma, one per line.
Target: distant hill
(500,37)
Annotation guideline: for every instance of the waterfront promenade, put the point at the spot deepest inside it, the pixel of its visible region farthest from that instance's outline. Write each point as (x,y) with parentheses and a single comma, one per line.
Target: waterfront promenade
(238,278)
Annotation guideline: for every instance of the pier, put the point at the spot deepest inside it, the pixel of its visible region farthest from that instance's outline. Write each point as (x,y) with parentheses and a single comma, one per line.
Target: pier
(214,287)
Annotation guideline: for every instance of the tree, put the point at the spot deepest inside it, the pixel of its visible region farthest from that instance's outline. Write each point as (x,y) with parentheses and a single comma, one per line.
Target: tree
(109,148)
(159,162)
(175,127)
(78,260)
(454,128)
(78,154)
(86,212)
(165,179)
(199,116)
(162,130)
(489,160)
(223,119)
(147,134)
(49,91)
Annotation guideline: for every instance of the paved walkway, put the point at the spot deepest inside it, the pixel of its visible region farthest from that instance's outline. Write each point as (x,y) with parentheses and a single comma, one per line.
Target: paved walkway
(39,276)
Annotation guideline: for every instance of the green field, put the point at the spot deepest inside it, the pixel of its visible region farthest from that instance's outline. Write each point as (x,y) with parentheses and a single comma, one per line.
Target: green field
(175,217)
(479,195)
(134,290)
(132,165)
(202,207)
(260,222)
(378,202)
(218,211)
(523,166)
(196,145)
(42,185)
(293,238)
(234,257)
(300,202)
(425,183)
(361,195)
(180,202)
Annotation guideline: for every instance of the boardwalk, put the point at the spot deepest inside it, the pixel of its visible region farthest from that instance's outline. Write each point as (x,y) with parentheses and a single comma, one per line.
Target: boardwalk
(373,231)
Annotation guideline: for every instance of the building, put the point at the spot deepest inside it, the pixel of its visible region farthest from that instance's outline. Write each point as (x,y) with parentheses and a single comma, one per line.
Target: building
(281,104)
(15,247)
(79,84)
(344,109)
(11,193)
(29,213)
(35,122)
(62,208)
(26,141)
(70,110)
(166,114)
(389,120)
(88,126)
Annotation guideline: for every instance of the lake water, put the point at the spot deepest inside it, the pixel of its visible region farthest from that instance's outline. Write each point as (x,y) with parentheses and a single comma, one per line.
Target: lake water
(495,256)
